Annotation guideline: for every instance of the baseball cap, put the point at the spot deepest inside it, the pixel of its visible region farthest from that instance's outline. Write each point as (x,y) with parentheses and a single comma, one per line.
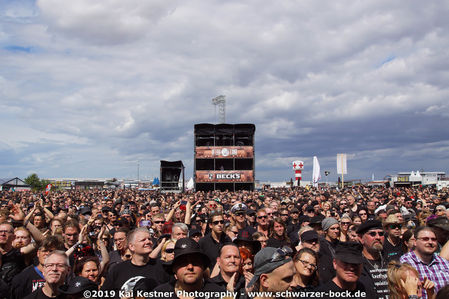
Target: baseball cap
(269,259)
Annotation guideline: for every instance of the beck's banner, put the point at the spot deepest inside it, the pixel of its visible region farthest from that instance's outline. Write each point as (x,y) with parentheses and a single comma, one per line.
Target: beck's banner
(209,152)
(224,176)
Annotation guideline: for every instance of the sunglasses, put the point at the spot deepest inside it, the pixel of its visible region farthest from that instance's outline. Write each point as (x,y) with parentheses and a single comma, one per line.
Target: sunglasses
(427,239)
(239,213)
(284,215)
(279,255)
(361,214)
(395,226)
(262,217)
(217,222)
(345,223)
(158,222)
(169,250)
(128,256)
(373,234)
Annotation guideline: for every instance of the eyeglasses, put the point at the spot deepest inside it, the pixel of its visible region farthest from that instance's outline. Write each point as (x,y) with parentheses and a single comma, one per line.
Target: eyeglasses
(307,264)
(5,232)
(373,234)
(217,222)
(427,239)
(395,226)
(262,217)
(169,250)
(59,266)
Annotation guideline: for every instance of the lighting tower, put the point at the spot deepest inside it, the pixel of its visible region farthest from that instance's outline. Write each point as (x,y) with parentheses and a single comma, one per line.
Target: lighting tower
(220,101)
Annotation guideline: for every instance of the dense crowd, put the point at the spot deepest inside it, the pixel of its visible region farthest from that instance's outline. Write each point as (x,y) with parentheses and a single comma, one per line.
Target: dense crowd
(359,242)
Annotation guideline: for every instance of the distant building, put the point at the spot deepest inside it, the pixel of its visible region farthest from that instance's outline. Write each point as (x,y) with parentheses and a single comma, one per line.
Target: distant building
(14,184)
(416,178)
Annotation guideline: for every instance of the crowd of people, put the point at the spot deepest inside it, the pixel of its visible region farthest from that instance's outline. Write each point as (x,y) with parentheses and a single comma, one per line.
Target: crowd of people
(358,242)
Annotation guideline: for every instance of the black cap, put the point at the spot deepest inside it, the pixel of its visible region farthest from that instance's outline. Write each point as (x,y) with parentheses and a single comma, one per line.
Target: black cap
(349,252)
(250,212)
(85,211)
(195,232)
(186,246)
(244,238)
(316,220)
(439,222)
(78,285)
(309,235)
(370,224)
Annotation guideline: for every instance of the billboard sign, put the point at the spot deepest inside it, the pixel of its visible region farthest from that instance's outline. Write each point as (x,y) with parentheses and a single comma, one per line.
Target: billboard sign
(217,176)
(210,152)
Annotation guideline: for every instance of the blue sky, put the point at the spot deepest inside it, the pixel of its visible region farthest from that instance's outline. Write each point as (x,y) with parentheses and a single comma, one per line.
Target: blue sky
(92,89)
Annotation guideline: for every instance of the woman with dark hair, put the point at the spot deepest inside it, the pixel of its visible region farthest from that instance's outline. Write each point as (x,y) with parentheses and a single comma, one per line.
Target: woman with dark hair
(278,234)
(306,277)
(88,267)
(408,240)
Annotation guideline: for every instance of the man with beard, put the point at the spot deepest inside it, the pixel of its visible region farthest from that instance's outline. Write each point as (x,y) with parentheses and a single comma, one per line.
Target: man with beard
(393,248)
(32,278)
(424,259)
(348,263)
(125,274)
(188,268)
(56,268)
(374,274)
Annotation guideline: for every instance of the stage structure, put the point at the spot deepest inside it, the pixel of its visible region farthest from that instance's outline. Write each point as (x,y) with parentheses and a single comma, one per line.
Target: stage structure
(224,157)
(172,173)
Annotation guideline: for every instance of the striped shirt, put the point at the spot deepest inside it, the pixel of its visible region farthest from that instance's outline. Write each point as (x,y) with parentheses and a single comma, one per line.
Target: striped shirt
(437,270)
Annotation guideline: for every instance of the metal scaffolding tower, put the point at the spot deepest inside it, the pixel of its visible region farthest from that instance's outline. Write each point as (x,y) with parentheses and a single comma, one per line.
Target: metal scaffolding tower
(220,101)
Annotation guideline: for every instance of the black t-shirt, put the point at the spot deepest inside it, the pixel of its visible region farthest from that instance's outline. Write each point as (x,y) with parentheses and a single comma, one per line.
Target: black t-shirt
(170,287)
(374,277)
(392,252)
(125,275)
(210,247)
(13,263)
(38,294)
(247,231)
(26,282)
(331,290)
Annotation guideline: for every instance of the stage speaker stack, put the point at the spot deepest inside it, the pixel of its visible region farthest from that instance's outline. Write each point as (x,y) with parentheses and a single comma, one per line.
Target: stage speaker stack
(171,174)
(224,157)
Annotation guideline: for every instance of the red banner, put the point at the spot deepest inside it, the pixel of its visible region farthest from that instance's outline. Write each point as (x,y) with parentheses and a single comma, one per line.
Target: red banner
(208,152)
(226,176)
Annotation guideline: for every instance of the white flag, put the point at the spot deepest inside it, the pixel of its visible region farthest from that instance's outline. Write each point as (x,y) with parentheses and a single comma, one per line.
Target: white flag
(341,164)
(316,172)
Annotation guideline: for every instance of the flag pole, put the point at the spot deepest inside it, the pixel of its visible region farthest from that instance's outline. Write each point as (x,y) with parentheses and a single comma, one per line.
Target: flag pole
(342,173)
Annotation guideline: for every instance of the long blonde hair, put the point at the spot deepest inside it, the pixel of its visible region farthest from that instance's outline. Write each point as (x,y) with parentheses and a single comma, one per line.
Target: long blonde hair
(395,273)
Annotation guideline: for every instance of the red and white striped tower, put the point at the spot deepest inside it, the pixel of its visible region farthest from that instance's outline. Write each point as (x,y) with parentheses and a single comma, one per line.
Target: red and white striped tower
(298,166)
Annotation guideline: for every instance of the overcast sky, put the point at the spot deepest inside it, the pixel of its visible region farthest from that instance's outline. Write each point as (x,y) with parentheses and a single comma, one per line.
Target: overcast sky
(94,88)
